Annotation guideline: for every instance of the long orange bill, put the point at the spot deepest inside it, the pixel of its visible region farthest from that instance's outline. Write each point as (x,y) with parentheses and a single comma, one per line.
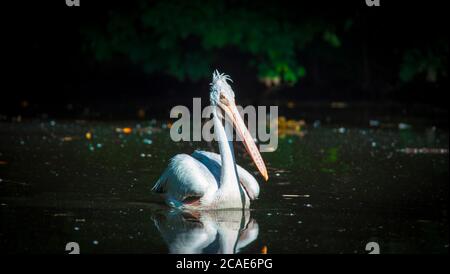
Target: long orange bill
(246,137)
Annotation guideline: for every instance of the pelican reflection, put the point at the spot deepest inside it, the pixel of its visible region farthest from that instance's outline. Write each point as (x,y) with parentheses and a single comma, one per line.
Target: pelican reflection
(195,232)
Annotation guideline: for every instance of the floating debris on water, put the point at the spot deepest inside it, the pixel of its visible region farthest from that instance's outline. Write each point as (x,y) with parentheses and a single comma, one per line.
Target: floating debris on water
(423,150)
(95,242)
(316,124)
(14,182)
(64,214)
(125,130)
(339,105)
(76,228)
(147,141)
(374,123)
(290,127)
(403,126)
(296,195)
(88,135)
(67,138)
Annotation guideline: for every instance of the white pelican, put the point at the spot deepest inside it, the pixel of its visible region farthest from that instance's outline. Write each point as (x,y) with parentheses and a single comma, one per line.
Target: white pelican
(206,180)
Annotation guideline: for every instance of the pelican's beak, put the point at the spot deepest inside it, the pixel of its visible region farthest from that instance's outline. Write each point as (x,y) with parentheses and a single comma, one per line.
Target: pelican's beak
(232,112)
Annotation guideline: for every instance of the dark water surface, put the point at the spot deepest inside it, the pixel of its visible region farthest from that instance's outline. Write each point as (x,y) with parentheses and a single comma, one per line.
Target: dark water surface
(331,191)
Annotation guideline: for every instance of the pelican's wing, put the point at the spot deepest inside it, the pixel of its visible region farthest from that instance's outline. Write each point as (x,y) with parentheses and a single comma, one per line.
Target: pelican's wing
(185,178)
(213,162)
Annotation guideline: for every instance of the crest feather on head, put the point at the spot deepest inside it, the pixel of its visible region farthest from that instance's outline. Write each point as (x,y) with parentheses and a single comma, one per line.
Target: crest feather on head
(219,85)
(217,76)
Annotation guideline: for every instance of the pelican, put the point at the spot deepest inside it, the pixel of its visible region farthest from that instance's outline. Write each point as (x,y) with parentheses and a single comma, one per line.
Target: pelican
(206,180)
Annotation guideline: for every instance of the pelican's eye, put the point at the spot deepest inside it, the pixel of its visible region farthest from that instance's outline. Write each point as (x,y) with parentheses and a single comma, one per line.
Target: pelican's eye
(223,99)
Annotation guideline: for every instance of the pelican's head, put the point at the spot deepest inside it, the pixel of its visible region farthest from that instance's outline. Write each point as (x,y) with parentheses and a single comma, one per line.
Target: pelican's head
(222,96)
(220,89)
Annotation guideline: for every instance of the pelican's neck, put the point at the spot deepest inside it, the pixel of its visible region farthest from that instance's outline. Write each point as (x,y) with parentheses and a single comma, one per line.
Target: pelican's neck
(228,177)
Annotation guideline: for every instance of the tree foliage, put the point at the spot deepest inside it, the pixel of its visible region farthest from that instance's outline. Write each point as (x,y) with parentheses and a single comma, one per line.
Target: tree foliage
(430,62)
(180,37)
